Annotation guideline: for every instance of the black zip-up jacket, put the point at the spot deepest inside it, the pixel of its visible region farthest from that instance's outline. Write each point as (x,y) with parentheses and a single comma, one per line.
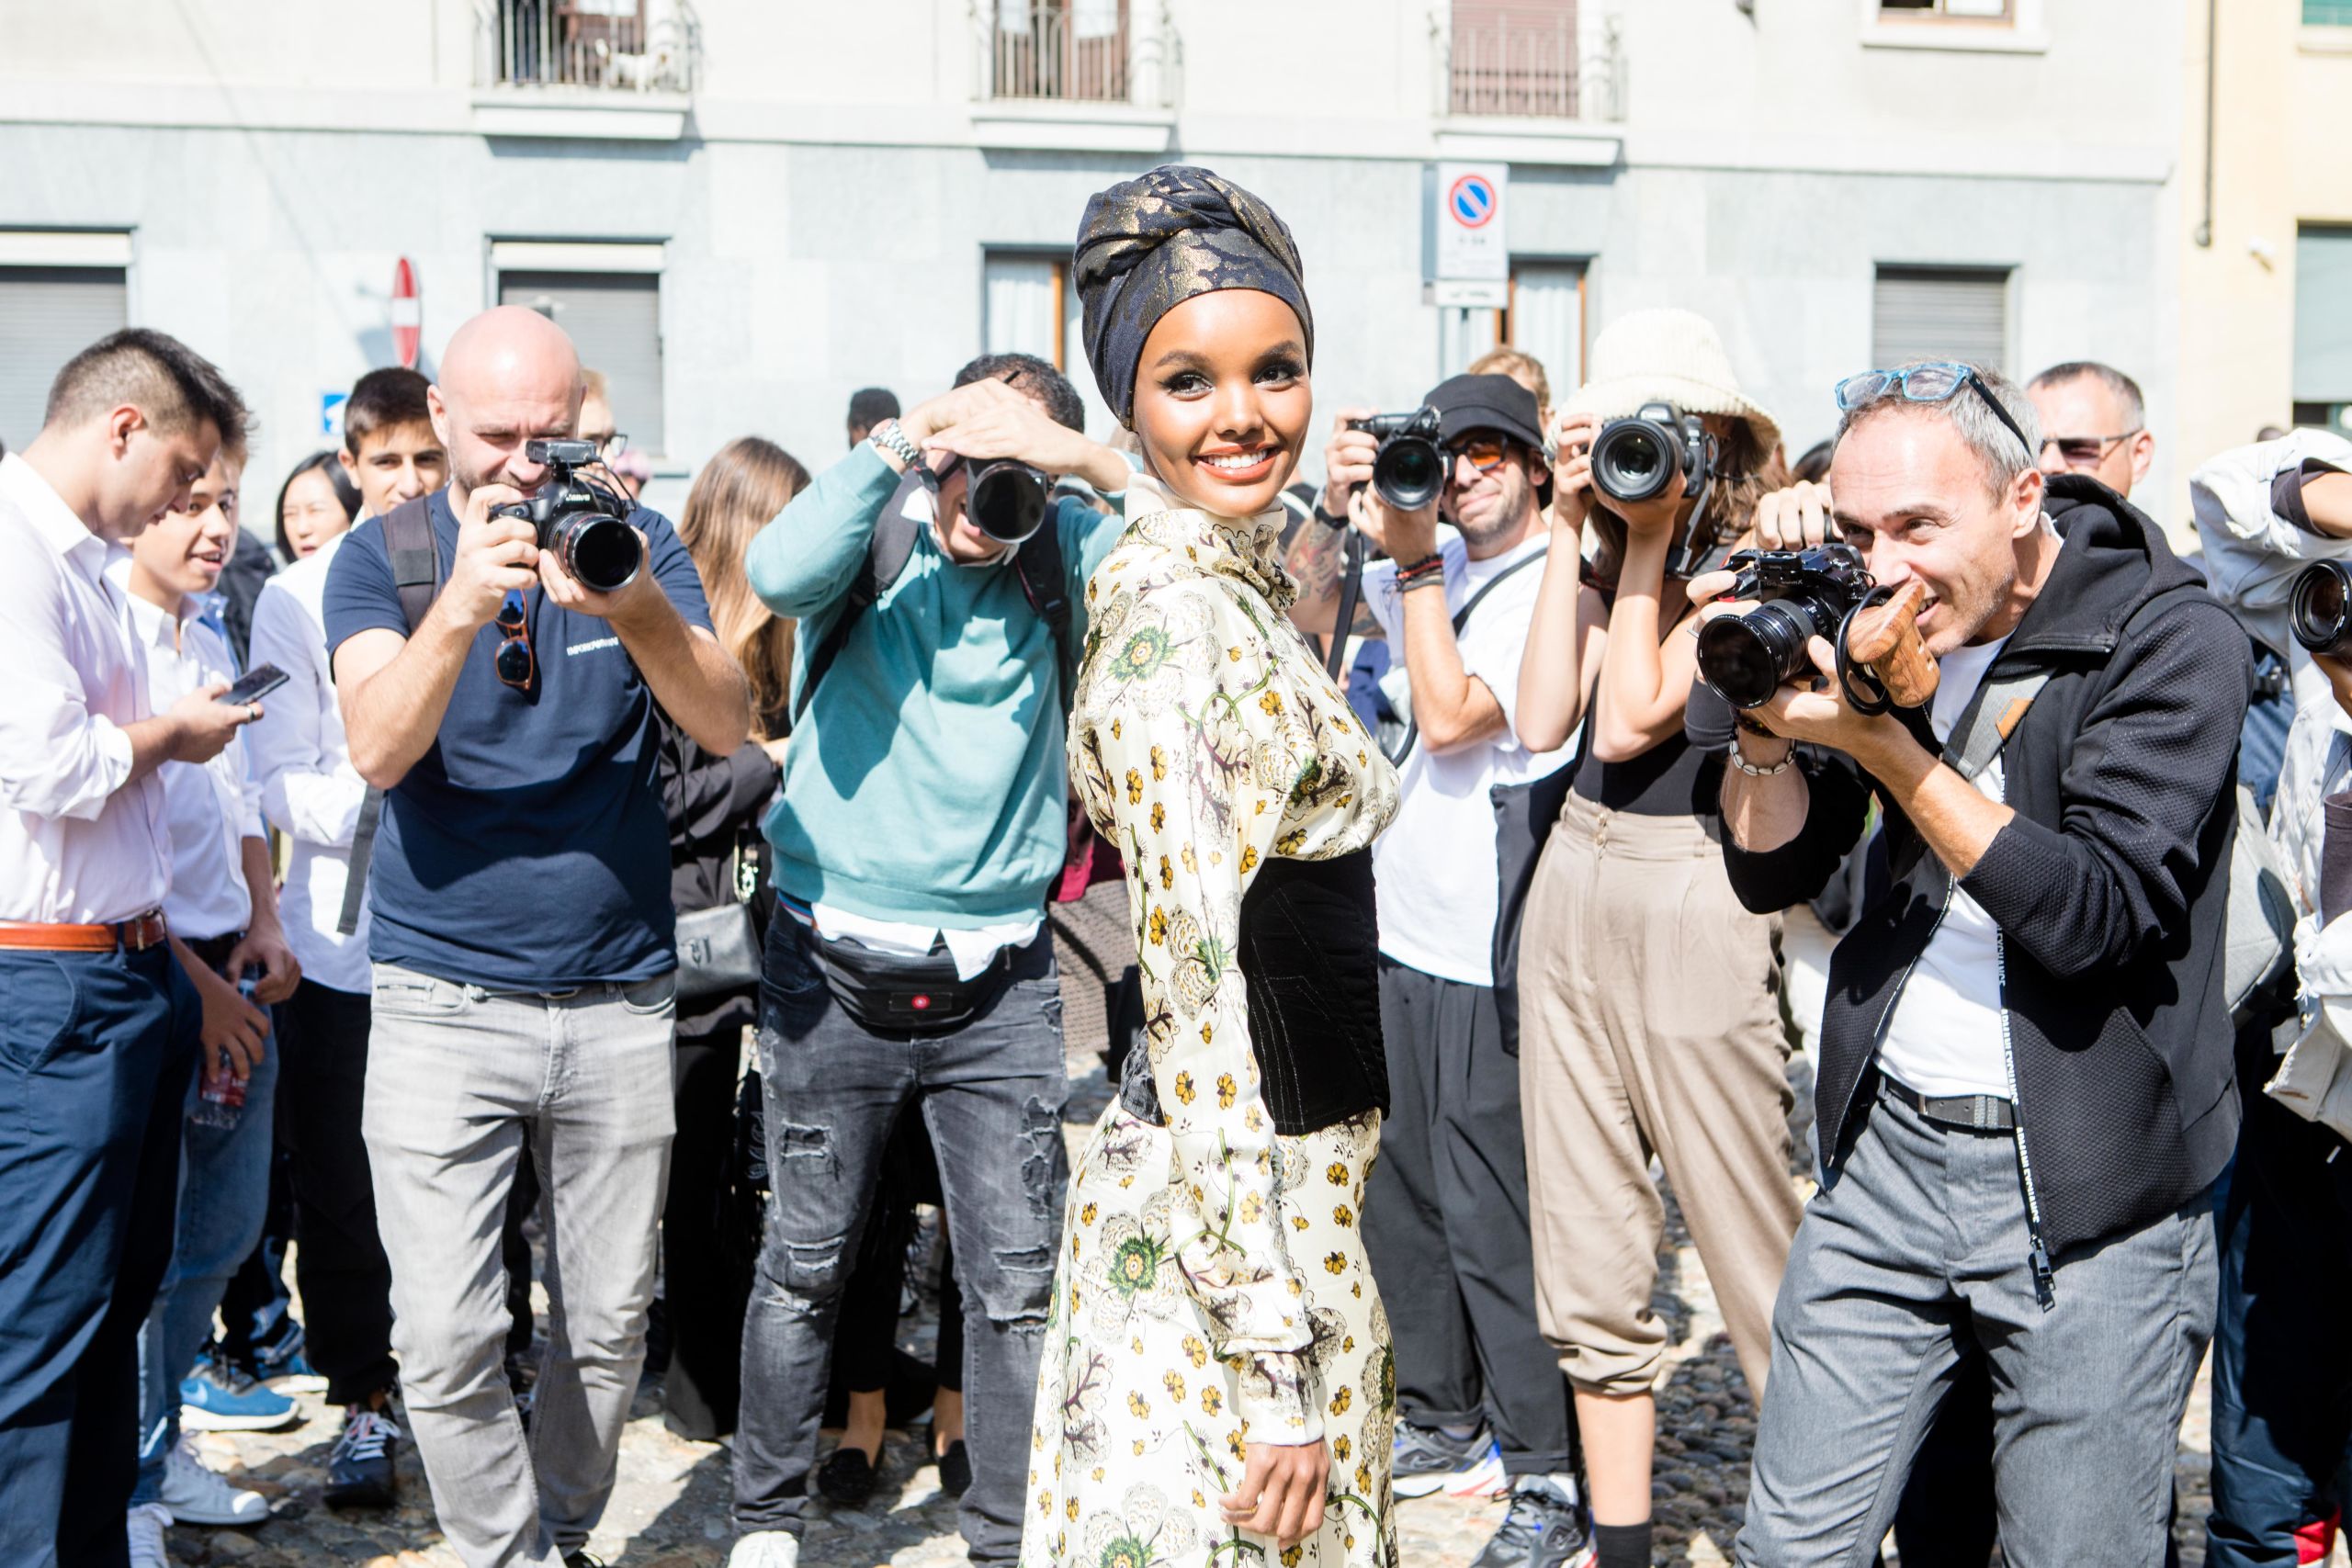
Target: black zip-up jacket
(2109,886)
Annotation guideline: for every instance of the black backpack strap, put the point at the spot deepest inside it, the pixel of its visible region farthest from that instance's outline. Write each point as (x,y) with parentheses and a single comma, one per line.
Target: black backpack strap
(1045,579)
(1462,619)
(887,553)
(416,572)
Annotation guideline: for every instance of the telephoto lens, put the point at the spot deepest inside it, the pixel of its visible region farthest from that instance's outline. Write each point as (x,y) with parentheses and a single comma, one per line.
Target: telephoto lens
(598,550)
(1745,658)
(1007,499)
(2321,609)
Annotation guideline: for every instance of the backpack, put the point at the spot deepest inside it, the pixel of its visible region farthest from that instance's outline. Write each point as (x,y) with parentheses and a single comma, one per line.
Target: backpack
(416,571)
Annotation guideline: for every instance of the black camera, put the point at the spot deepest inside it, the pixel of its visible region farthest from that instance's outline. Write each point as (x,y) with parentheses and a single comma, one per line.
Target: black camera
(1409,469)
(1635,458)
(2321,609)
(582,522)
(1007,499)
(1807,594)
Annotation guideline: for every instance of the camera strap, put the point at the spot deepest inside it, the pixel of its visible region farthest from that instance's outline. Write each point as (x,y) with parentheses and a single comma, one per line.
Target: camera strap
(416,572)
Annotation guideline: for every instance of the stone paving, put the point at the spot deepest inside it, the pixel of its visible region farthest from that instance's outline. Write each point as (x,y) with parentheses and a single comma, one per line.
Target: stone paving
(669,1509)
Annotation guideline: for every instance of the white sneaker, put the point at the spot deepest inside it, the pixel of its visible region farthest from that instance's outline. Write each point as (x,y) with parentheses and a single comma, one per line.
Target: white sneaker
(765,1548)
(195,1495)
(144,1526)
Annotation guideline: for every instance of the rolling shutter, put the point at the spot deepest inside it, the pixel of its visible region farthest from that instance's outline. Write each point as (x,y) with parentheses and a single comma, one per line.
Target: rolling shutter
(48,314)
(1919,312)
(614,321)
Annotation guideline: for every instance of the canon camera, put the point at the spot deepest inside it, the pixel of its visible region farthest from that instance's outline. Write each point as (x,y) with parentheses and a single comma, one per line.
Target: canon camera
(580,521)
(1410,468)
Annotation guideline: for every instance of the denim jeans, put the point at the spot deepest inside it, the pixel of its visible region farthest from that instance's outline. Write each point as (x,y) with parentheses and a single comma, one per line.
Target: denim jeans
(455,1075)
(991,1093)
(95,1050)
(1912,1262)
(223,1193)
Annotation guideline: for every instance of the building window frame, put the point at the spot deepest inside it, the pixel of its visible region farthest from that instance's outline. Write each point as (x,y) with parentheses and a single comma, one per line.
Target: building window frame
(2023,28)
(104,255)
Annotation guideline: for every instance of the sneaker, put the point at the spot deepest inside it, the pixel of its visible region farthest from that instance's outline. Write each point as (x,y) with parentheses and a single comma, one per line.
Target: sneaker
(288,1370)
(1543,1529)
(956,1469)
(195,1495)
(765,1548)
(359,1466)
(1428,1460)
(847,1477)
(218,1398)
(144,1529)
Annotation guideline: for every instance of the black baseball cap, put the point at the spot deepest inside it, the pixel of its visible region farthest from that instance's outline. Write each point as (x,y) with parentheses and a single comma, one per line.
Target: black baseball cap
(1466,404)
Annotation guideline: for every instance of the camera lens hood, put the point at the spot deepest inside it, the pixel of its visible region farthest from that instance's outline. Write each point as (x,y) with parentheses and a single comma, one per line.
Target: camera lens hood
(1409,472)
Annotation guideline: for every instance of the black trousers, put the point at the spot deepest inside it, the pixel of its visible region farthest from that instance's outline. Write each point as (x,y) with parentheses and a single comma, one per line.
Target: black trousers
(339,1260)
(1445,1225)
(705,1273)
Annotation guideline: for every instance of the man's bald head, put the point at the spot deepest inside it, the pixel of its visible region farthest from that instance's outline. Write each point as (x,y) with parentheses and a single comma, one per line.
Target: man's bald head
(509,376)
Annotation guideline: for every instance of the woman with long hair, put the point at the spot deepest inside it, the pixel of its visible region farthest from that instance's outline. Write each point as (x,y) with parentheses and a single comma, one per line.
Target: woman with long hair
(317,502)
(715,806)
(1648,1014)
(1217,1379)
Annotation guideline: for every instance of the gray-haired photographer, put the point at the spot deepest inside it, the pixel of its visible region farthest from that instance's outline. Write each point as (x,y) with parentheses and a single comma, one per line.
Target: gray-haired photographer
(2025,1091)
(2275,521)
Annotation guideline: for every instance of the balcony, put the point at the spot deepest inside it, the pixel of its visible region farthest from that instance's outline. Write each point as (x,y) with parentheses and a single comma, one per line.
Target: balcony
(1522,58)
(1096,75)
(597,68)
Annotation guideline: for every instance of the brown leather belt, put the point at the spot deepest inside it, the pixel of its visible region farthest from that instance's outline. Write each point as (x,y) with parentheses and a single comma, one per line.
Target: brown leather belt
(134,935)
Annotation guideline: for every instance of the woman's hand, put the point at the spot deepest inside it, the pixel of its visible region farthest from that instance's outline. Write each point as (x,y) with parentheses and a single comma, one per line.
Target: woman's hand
(1280,1492)
(1654,518)
(1572,436)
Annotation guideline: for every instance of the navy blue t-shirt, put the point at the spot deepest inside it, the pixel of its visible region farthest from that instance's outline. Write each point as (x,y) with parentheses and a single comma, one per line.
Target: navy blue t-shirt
(528,850)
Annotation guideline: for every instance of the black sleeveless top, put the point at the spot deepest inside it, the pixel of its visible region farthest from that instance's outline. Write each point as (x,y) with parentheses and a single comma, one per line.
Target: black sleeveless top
(1308,951)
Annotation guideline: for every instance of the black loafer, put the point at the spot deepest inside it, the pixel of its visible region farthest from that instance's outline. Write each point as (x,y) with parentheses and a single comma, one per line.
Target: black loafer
(847,1477)
(955,1470)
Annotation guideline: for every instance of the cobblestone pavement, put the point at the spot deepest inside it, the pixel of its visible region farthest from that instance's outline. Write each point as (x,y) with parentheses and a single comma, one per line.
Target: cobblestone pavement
(670,1510)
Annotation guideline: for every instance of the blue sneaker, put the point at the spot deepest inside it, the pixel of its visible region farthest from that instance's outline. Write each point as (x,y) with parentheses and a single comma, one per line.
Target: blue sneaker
(226,1399)
(289,1371)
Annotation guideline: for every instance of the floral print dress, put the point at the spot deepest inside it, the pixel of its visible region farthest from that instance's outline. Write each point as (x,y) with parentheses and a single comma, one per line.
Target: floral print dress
(1212,1289)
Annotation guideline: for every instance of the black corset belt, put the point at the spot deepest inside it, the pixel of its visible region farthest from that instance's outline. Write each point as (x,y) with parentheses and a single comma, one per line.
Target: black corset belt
(1309,945)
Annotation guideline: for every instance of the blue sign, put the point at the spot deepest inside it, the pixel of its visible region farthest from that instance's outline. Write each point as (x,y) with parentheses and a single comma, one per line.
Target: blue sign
(331,414)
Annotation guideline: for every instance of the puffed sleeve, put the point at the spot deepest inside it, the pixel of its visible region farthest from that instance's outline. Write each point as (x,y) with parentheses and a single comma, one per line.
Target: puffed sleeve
(1190,733)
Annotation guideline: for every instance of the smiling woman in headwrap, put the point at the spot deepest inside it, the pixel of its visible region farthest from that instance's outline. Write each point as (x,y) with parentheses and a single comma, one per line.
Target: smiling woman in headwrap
(1216,1381)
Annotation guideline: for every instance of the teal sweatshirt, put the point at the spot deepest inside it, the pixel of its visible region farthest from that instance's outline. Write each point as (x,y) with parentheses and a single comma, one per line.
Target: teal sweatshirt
(926,781)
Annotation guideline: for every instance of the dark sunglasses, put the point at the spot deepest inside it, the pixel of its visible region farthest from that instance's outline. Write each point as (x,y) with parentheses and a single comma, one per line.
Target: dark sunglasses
(2084,451)
(516,663)
(1485,453)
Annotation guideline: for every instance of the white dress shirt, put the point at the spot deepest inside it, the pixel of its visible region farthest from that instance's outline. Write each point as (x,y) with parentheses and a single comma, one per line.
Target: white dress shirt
(308,787)
(209,808)
(76,846)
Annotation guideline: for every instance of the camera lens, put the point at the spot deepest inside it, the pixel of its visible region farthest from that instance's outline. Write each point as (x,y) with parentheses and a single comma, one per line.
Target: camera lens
(1633,459)
(1007,500)
(599,550)
(1744,658)
(2321,609)
(1409,472)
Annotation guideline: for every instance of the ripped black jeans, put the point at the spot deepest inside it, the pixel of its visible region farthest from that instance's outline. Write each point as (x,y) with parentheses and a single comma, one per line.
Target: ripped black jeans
(991,1093)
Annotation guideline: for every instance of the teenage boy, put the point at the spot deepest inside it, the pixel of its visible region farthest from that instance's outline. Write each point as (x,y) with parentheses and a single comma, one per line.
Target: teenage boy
(222,909)
(389,448)
(101,1024)
(309,790)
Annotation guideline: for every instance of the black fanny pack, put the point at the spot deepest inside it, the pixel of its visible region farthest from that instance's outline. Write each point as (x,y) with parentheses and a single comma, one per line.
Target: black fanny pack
(892,993)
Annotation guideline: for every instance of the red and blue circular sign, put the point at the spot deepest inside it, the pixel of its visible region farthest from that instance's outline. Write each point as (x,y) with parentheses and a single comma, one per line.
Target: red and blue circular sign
(1472,201)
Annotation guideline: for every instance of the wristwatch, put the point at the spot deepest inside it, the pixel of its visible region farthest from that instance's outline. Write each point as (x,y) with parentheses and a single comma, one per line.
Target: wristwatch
(1325,518)
(887,437)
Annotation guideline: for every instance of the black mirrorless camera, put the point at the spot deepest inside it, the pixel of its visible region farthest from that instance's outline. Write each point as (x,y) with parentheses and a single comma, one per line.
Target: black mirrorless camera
(582,521)
(1635,458)
(2320,610)
(1410,467)
(1805,594)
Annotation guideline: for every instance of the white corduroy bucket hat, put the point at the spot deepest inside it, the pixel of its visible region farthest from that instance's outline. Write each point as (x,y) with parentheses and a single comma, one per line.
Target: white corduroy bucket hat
(1667,356)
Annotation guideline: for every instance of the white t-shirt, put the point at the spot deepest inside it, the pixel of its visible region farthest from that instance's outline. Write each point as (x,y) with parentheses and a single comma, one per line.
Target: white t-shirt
(1436,863)
(1945,1036)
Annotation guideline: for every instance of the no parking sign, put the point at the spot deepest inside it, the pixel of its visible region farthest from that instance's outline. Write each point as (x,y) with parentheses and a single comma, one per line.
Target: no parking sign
(1473,245)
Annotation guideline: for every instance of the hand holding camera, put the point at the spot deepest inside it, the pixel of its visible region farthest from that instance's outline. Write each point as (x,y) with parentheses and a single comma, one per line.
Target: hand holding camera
(1007,446)
(1786,603)
(1386,472)
(1572,437)
(498,554)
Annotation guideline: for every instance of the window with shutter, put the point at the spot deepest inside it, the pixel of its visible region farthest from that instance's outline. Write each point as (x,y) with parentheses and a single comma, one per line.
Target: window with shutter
(1931,312)
(614,318)
(2322,373)
(48,314)
(1547,320)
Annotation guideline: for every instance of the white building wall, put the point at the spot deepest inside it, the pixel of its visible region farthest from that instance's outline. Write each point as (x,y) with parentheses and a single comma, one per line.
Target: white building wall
(825,197)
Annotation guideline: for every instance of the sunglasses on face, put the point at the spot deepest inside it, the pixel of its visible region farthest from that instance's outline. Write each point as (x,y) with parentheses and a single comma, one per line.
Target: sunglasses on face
(2084,451)
(516,663)
(1931,383)
(1484,453)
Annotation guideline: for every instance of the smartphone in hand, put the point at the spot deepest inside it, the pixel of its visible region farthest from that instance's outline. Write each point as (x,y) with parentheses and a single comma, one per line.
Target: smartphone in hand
(254,684)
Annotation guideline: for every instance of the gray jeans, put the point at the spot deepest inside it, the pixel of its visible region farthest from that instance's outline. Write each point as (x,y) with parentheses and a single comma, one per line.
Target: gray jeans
(1914,1258)
(455,1075)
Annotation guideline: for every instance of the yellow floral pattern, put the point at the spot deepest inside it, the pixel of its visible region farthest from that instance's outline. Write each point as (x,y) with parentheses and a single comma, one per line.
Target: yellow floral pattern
(1213,1289)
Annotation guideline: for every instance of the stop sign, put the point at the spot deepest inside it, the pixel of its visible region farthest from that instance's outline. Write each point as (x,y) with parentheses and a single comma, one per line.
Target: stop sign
(407,314)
